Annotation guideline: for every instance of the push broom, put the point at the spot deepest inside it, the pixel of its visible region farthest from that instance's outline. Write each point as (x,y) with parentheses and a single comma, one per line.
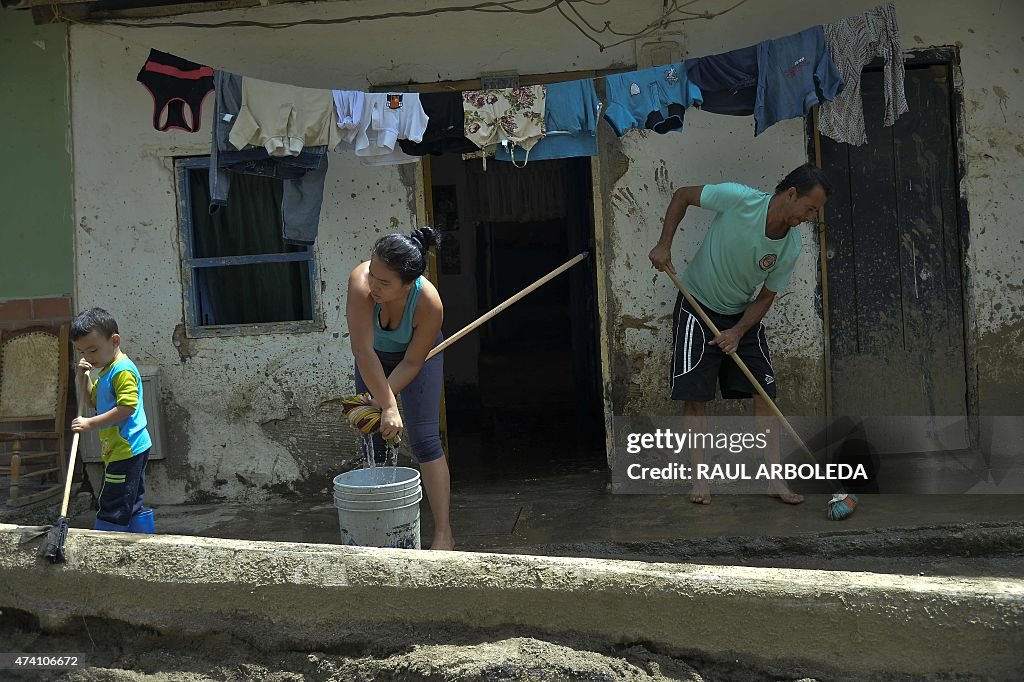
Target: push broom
(841,505)
(53,547)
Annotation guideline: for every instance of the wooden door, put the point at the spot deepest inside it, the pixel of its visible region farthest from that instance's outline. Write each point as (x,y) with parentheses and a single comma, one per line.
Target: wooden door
(894,260)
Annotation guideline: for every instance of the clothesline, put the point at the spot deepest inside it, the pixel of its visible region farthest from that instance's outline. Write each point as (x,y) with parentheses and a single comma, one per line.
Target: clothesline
(733,81)
(285,131)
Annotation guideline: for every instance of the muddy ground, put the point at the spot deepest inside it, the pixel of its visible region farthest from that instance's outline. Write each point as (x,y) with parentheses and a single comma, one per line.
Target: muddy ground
(116,653)
(977,550)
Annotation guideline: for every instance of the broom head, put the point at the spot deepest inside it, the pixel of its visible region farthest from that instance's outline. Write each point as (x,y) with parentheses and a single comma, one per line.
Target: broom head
(53,547)
(841,506)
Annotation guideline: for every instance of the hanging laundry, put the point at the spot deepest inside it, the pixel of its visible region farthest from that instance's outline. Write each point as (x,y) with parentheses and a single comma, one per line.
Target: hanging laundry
(794,73)
(388,118)
(654,98)
(284,118)
(570,118)
(302,175)
(176,83)
(227,101)
(727,81)
(348,105)
(301,202)
(853,42)
(445,133)
(516,115)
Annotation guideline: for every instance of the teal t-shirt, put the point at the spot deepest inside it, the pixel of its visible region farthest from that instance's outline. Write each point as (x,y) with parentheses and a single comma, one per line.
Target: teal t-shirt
(397,340)
(736,257)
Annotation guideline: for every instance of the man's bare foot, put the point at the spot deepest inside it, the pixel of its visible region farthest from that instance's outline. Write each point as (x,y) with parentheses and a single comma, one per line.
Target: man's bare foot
(788,497)
(443,541)
(700,494)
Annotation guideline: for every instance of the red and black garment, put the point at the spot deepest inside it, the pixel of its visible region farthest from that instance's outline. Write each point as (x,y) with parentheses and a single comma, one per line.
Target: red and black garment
(174,84)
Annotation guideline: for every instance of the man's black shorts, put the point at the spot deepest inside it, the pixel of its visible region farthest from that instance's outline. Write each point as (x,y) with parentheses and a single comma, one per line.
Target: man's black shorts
(696,366)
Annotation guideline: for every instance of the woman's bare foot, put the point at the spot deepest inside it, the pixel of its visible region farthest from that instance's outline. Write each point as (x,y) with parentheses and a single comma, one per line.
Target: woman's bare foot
(700,494)
(443,541)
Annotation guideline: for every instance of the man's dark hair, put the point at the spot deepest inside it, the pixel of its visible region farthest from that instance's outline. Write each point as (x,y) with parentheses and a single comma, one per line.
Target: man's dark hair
(406,255)
(805,178)
(93,319)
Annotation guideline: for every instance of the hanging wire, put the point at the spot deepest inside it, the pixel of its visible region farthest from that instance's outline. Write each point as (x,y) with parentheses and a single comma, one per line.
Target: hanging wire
(661,23)
(673,12)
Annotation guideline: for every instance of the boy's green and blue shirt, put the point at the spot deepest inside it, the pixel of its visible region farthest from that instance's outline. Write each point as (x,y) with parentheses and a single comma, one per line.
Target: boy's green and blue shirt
(120,384)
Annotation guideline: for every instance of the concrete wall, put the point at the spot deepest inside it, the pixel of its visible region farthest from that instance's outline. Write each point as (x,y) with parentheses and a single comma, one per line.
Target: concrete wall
(37,255)
(305,597)
(717,148)
(248,413)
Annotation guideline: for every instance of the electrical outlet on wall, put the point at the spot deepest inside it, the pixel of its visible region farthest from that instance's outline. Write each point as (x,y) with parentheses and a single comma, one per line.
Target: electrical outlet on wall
(658,53)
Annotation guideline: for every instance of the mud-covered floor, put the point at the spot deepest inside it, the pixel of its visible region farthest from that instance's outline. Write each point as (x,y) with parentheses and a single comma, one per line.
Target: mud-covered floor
(577,515)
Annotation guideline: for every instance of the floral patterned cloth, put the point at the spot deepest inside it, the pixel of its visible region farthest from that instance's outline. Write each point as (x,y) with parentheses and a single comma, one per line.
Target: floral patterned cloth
(513,114)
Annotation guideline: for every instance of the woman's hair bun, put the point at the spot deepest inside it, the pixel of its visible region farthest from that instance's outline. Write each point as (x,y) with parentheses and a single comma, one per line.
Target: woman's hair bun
(426,237)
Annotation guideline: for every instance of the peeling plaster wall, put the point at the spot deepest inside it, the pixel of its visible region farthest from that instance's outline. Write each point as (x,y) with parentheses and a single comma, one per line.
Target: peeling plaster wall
(713,149)
(274,427)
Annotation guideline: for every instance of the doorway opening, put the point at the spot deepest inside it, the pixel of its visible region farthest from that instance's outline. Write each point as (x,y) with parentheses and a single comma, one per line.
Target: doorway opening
(523,393)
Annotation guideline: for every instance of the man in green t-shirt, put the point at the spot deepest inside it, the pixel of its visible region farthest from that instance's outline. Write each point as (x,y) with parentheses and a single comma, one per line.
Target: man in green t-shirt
(751,243)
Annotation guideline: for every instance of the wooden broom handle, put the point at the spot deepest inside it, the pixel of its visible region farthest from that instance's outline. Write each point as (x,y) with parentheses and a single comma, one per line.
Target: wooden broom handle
(505,304)
(742,365)
(74,449)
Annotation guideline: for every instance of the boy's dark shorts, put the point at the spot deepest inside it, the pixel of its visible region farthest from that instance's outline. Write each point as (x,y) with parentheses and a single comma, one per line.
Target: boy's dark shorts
(124,487)
(696,366)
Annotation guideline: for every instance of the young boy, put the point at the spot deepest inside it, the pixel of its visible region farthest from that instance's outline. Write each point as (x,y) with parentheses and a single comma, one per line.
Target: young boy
(116,393)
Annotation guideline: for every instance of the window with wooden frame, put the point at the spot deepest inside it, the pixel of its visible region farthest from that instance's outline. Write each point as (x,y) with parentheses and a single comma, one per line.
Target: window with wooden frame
(239,277)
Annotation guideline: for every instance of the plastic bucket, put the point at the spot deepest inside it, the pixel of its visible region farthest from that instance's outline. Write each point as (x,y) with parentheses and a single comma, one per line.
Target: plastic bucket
(379,507)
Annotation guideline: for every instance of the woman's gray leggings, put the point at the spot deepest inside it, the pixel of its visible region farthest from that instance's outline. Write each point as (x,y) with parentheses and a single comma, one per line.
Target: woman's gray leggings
(421,406)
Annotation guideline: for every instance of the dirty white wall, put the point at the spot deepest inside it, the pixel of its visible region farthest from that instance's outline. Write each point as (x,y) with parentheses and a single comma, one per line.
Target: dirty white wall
(250,412)
(246,414)
(718,148)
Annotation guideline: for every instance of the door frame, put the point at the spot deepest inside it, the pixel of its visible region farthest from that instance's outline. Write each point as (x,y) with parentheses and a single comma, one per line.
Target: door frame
(933,56)
(423,207)
(424,210)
